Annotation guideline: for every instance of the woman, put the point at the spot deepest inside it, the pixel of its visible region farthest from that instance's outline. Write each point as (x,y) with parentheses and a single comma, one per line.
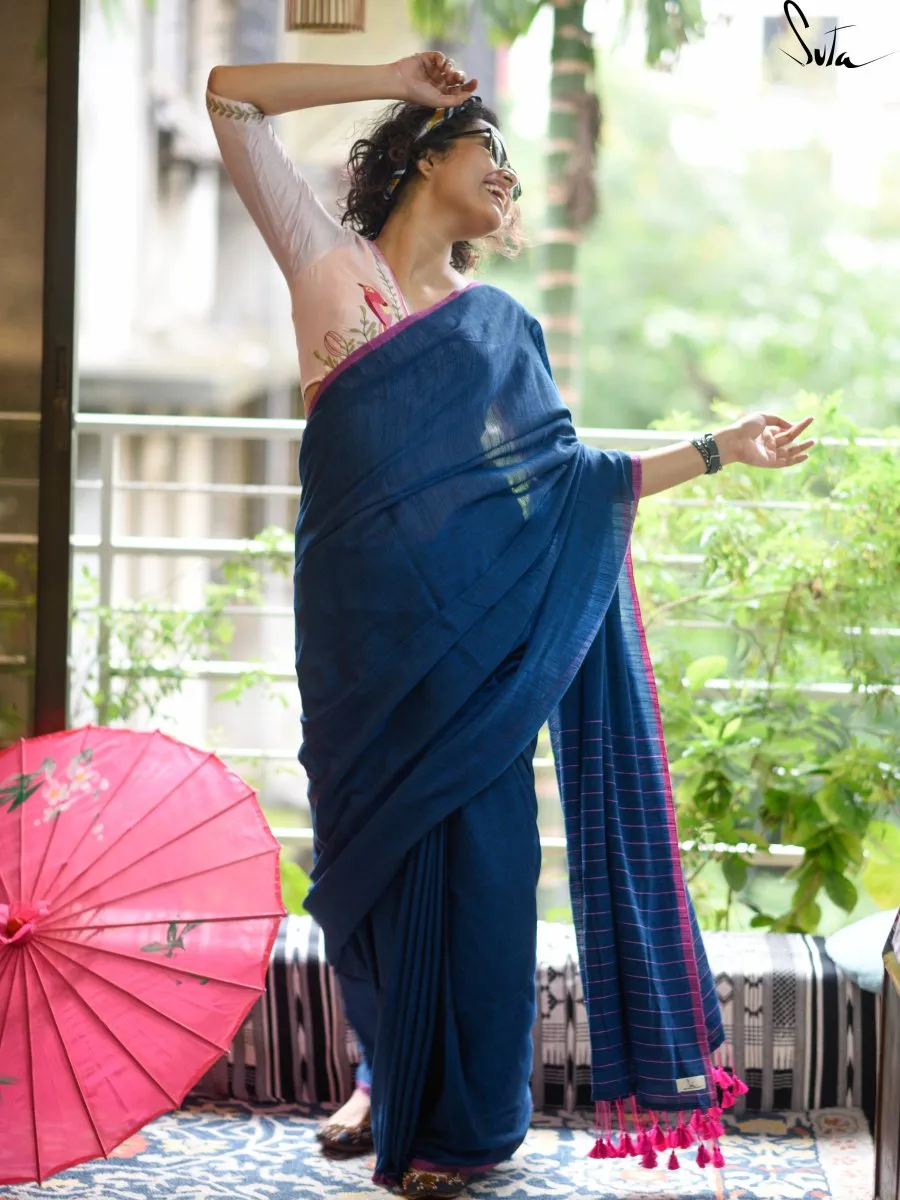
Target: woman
(462,576)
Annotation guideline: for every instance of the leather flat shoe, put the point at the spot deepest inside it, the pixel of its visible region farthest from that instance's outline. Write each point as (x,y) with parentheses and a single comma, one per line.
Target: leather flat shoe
(345,1140)
(418,1184)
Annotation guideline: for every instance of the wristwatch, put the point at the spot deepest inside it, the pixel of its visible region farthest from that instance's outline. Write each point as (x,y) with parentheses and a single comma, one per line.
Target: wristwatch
(709,451)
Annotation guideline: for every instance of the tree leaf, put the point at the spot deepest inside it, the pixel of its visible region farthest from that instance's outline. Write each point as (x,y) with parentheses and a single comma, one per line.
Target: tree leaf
(808,917)
(734,868)
(701,670)
(842,892)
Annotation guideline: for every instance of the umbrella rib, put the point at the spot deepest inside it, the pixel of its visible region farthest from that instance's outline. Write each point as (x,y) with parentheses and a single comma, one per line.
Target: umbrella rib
(173,840)
(48,841)
(47,928)
(12,962)
(37,1146)
(147,961)
(112,845)
(152,887)
(137,1000)
(148,741)
(112,1034)
(62,1041)
(7,963)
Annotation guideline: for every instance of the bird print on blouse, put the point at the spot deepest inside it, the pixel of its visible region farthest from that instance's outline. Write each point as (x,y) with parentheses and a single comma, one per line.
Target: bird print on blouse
(383,304)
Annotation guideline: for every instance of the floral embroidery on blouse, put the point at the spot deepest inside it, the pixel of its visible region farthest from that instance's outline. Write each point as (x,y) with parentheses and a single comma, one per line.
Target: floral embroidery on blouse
(387,312)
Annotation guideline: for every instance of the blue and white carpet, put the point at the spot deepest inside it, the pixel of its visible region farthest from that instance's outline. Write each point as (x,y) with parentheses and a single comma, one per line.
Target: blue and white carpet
(209,1151)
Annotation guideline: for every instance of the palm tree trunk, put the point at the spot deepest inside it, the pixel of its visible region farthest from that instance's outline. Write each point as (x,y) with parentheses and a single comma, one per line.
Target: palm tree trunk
(571,190)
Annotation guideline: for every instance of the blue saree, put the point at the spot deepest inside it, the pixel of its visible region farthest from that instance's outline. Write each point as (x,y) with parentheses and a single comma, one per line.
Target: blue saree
(462,576)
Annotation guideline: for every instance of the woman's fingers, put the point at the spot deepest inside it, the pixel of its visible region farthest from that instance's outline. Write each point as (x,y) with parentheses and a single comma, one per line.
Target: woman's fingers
(792,432)
(780,422)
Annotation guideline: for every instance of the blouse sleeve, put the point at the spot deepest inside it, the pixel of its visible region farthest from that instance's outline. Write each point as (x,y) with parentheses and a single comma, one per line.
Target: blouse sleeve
(295,225)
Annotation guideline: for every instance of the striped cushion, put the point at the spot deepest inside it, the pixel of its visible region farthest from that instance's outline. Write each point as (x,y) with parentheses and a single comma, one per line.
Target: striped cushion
(803,1035)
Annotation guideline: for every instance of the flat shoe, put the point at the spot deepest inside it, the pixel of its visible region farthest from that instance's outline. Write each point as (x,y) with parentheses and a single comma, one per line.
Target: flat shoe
(417,1184)
(345,1140)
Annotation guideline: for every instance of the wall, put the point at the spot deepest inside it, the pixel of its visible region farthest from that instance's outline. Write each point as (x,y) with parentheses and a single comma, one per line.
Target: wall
(22,102)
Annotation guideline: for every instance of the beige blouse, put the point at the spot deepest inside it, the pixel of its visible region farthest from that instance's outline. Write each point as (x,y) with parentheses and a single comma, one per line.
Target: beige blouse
(343,293)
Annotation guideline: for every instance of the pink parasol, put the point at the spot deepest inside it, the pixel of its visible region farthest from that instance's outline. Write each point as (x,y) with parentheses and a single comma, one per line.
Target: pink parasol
(139,901)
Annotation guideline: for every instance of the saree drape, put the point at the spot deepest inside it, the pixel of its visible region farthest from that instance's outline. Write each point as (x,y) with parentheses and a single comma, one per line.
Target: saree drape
(462,576)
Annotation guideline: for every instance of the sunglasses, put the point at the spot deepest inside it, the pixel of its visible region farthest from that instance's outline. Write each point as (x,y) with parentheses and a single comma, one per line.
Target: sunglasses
(494,145)
(492,140)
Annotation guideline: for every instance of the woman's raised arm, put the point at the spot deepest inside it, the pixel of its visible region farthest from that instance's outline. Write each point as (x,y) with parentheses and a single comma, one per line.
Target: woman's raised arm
(276,88)
(429,78)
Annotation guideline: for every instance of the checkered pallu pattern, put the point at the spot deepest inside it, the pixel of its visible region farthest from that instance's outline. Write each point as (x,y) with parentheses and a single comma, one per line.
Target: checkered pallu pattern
(802,1034)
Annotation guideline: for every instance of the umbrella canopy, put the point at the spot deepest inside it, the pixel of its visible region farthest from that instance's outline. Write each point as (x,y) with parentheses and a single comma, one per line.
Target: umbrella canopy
(139,901)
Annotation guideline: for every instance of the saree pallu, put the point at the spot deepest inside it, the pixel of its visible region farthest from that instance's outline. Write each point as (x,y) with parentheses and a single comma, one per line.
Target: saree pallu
(462,576)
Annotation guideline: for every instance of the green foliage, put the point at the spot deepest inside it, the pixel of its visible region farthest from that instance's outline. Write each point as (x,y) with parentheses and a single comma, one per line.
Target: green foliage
(506,19)
(295,885)
(143,651)
(708,277)
(799,572)
(669,23)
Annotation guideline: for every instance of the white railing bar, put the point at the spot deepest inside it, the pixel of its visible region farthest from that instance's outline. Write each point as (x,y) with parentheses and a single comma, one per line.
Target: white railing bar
(20,418)
(166,547)
(253,428)
(285,611)
(219,547)
(232,669)
(213,489)
(243,753)
(263,427)
(781,856)
(292,492)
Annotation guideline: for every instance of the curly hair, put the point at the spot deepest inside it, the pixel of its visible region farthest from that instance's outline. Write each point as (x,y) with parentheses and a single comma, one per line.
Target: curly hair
(391,141)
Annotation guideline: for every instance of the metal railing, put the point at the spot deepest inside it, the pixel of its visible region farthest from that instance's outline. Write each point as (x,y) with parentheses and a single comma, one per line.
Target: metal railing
(108,544)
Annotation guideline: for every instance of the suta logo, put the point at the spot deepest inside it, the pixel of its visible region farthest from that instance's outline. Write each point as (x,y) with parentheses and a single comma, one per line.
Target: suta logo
(818,56)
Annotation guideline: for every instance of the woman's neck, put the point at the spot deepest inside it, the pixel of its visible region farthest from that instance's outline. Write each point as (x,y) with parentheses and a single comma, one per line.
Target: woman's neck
(418,253)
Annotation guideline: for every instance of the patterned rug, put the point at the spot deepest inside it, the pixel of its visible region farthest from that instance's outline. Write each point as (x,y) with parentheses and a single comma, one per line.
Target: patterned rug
(225,1152)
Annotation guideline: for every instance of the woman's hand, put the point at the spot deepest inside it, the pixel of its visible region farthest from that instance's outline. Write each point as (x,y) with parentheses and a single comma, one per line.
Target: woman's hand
(763,440)
(431,79)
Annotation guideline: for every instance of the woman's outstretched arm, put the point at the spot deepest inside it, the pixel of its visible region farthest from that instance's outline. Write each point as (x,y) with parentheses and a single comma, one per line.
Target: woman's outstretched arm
(758,440)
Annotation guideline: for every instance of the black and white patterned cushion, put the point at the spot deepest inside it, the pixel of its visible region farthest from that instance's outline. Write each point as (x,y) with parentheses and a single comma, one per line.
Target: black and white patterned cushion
(803,1036)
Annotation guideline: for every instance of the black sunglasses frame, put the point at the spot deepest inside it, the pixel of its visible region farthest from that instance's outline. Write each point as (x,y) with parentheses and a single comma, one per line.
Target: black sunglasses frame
(497,151)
